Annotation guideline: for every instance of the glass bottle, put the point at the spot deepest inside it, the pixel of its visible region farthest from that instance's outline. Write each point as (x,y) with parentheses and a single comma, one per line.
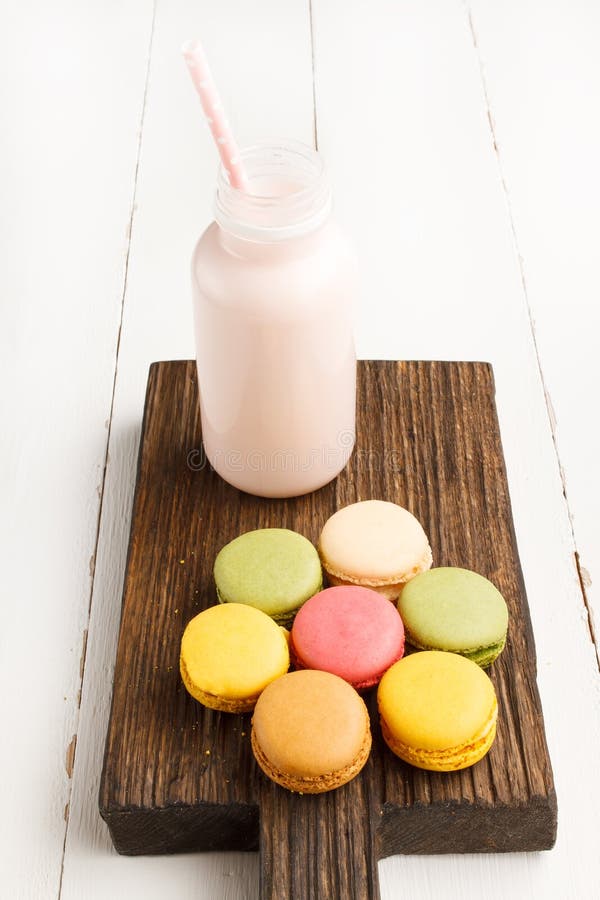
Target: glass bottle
(273,287)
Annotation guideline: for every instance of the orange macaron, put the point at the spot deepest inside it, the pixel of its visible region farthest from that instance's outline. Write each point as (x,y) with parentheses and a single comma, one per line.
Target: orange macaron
(310,731)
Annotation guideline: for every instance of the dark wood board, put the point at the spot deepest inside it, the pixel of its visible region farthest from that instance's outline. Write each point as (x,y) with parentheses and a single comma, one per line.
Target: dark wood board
(179,777)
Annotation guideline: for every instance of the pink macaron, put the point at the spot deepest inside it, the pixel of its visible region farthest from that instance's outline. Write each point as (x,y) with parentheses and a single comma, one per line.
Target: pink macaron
(350,631)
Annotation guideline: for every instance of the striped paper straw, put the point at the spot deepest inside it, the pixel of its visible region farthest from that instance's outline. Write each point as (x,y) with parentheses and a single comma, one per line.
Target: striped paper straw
(213,110)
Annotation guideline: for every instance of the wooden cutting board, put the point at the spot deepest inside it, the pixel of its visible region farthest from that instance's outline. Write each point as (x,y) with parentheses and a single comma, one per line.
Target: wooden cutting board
(179,777)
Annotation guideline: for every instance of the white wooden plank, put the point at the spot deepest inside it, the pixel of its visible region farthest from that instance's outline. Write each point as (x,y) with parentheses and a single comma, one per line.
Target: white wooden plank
(543,85)
(261,59)
(71,86)
(402,120)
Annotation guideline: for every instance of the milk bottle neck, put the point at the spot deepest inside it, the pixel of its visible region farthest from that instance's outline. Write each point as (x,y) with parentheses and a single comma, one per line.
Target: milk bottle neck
(288,196)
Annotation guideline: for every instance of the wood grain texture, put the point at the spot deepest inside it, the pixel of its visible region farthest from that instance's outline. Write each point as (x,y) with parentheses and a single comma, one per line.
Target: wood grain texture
(180,777)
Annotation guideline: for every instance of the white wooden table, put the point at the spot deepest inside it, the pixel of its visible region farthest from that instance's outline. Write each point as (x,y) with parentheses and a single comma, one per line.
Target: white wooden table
(464,145)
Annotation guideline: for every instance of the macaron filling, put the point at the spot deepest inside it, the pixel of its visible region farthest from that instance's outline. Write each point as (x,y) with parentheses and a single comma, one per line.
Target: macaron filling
(215,701)
(337,577)
(313,784)
(448,759)
(483,656)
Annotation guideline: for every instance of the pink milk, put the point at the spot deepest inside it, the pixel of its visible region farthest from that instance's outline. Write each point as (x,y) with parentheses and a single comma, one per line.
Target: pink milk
(273,285)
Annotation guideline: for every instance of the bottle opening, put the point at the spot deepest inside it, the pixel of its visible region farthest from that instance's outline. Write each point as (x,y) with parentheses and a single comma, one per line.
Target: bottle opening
(288,193)
(273,187)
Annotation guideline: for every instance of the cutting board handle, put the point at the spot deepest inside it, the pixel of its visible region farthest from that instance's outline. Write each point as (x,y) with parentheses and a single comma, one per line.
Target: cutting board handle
(317,847)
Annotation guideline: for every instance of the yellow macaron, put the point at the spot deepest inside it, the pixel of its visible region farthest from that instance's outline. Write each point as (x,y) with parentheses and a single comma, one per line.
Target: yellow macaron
(438,710)
(229,654)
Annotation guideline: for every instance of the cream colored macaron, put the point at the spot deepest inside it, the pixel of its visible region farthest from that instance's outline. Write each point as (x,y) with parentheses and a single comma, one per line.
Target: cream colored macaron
(374,544)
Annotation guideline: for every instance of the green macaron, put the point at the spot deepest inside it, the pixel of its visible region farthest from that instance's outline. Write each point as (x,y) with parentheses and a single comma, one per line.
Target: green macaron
(457,610)
(273,569)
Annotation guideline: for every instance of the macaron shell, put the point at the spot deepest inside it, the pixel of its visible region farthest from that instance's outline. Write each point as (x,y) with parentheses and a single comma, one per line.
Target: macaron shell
(373,543)
(311,728)
(449,608)
(352,632)
(231,653)
(436,702)
(272,569)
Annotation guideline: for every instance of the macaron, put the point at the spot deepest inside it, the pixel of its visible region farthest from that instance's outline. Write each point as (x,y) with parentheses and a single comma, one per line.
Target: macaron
(272,569)
(438,710)
(455,609)
(229,654)
(374,544)
(348,630)
(310,732)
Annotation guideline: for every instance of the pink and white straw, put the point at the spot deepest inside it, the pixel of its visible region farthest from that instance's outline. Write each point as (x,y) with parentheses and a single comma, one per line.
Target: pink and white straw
(215,116)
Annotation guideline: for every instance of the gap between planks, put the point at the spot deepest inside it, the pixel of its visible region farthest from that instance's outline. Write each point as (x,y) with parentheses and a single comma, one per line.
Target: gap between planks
(72,748)
(547,398)
(314,74)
